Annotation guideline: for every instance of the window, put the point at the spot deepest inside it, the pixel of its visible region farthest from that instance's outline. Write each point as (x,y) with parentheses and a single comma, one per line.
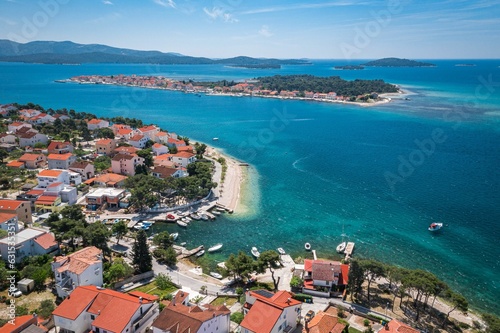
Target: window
(93,317)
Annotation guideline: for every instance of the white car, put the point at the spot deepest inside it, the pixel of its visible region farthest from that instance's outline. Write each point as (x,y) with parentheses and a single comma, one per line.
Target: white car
(15,292)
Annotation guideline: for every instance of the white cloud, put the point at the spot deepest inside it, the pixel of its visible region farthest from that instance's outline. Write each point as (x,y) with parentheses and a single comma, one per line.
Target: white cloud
(264,31)
(107,2)
(165,3)
(303,6)
(219,13)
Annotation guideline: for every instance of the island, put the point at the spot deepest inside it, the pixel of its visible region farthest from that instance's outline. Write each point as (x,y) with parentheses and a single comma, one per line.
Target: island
(465,65)
(257,66)
(397,62)
(300,87)
(350,67)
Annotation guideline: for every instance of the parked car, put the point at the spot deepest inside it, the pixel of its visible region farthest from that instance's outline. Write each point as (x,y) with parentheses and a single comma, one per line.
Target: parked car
(15,292)
(309,315)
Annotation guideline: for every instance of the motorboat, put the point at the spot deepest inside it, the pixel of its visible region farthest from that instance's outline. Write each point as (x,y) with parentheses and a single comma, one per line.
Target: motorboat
(215,248)
(215,212)
(138,226)
(181,224)
(147,223)
(195,216)
(216,275)
(183,243)
(200,253)
(255,252)
(204,217)
(174,236)
(281,251)
(215,139)
(187,218)
(435,226)
(341,247)
(307,246)
(145,227)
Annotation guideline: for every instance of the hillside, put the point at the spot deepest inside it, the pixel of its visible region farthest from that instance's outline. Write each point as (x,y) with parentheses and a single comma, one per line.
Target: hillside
(397,62)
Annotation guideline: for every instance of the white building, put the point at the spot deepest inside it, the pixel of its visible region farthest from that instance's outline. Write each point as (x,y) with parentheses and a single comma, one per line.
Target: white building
(48,177)
(94,124)
(82,268)
(9,222)
(138,141)
(60,161)
(32,138)
(184,158)
(28,242)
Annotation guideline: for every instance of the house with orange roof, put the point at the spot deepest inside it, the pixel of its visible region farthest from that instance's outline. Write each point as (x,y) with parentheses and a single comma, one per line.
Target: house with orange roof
(31,138)
(17,125)
(84,168)
(138,141)
(47,203)
(149,131)
(124,134)
(15,164)
(184,158)
(161,137)
(21,208)
(24,324)
(33,161)
(8,138)
(60,147)
(110,180)
(29,242)
(125,164)
(9,222)
(125,150)
(189,149)
(177,317)
(60,161)
(325,278)
(324,322)
(41,118)
(159,149)
(175,143)
(47,177)
(30,112)
(67,193)
(105,146)
(395,326)
(91,308)
(94,124)
(162,172)
(266,311)
(81,268)
(117,127)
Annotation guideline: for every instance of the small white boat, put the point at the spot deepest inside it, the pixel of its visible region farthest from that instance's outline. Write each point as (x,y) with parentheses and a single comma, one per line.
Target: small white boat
(307,246)
(215,212)
(200,253)
(435,226)
(216,275)
(195,216)
(204,217)
(255,252)
(183,243)
(187,218)
(341,247)
(215,248)
(215,139)
(138,226)
(182,224)
(174,236)
(222,210)
(281,251)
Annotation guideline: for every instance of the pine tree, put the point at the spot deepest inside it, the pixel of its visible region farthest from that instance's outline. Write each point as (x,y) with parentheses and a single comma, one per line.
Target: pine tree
(142,259)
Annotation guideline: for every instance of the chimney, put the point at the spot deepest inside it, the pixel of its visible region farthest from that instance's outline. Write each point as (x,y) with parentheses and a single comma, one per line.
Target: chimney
(288,301)
(140,299)
(386,326)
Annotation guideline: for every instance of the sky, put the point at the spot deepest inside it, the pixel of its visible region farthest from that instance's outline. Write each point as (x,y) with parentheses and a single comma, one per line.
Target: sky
(340,29)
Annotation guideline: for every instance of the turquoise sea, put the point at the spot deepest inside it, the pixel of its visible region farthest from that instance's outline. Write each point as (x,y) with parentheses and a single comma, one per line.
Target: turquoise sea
(317,168)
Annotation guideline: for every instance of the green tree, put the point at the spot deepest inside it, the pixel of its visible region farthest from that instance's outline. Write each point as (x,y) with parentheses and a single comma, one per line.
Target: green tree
(163,281)
(105,133)
(141,258)
(269,260)
(119,229)
(237,317)
(458,302)
(356,278)
(97,234)
(163,240)
(373,270)
(45,309)
(296,282)
(102,163)
(240,265)
(147,155)
(118,270)
(3,154)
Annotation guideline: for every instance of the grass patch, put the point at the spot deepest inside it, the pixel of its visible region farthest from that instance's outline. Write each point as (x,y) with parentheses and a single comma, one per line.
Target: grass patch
(353,330)
(230,301)
(152,289)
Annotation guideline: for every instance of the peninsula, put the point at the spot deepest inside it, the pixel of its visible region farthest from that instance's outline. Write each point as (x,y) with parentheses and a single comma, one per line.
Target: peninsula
(397,62)
(299,87)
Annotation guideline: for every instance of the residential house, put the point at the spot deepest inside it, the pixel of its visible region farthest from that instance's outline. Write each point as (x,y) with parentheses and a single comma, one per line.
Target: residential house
(125,150)
(105,146)
(61,117)
(175,143)
(8,222)
(124,134)
(16,126)
(21,208)
(161,137)
(25,324)
(104,196)
(109,180)
(15,164)
(48,203)
(48,177)
(165,160)
(324,322)
(8,138)
(162,172)
(29,113)
(270,312)
(189,149)
(31,196)
(178,317)
(33,161)
(125,164)
(149,132)
(325,278)
(118,127)
(184,158)
(29,242)
(41,118)
(84,168)
(31,139)
(81,268)
(138,141)
(60,147)
(94,124)
(395,326)
(67,193)
(159,149)
(60,161)
(91,308)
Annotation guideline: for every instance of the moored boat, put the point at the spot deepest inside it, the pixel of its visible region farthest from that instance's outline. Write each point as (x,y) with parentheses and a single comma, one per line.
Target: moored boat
(435,226)
(138,226)
(195,216)
(307,246)
(215,248)
(204,217)
(255,252)
(281,251)
(182,224)
(216,275)
(174,236)
(215,212)
(341,247)
(200,253)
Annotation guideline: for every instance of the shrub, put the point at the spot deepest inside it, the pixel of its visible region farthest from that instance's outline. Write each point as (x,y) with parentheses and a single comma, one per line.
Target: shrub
(237,317)
(366,322)
(302,297)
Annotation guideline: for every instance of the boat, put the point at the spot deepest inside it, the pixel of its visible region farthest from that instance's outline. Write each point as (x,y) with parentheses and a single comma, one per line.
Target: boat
(195,216)
(138,226)
(145,227)
(215,248)
(200,253)
(187,218)
(307,246)
(174,236)
(341,247)
(219,209)
(255,252)
(148,223)
(215,212)
(215,139)
(204,217)
(183,243)
(281,251)
(181,224)
(435,226)
(216,275)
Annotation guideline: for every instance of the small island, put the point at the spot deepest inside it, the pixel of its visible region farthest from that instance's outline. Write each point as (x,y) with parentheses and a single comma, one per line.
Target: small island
(257,66)
(397,62)
(465,65)
(350,67)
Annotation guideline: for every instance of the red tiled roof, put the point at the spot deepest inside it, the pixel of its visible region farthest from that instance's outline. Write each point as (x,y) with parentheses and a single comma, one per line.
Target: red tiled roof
(35,192)
(21,323)
(76,303)
(46,199)
(15,164)
(261,318)
(58,145)
(395,326)
(124,131)
(147,128)
(104,142)
(124,149)
(161,134)
(325,323)
(184,154)
(94,121)
(345,273)
(56,184)
(10,204)
(111,178)
(30,157)
(60,157)
(49,173)
(281,299)
(136,137)
(4,217)
(46,241)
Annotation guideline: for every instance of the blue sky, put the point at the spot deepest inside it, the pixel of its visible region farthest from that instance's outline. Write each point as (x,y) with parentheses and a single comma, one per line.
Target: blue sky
(341,29)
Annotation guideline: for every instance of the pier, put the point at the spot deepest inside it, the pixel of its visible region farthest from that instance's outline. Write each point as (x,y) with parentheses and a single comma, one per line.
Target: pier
(314,254)
(187,253)
(349,249)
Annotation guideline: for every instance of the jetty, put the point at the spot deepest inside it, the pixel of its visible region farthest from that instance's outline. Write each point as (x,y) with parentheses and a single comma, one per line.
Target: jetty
(187,253)
(349,249)
(314,255)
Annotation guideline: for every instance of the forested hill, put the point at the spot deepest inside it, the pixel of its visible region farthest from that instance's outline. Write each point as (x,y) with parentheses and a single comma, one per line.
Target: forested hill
(397,62)
(318,84)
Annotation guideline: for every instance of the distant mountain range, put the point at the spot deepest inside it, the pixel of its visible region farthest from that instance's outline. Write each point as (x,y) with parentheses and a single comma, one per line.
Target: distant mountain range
(67,52)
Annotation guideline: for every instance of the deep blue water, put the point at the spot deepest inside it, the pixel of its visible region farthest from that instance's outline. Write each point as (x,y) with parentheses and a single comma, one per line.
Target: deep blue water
(319,167)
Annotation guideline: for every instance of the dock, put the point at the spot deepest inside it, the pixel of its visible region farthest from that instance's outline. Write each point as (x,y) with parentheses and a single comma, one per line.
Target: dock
(314,255)
(349,249)
(187,253)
